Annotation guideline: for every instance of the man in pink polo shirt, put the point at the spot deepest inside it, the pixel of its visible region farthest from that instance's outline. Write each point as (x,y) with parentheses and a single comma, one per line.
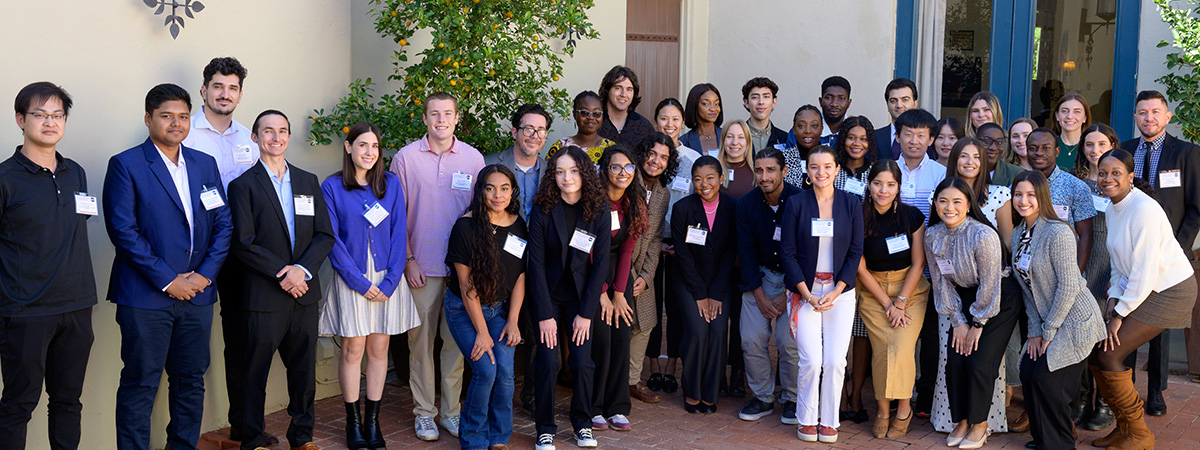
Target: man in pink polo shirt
(437,174)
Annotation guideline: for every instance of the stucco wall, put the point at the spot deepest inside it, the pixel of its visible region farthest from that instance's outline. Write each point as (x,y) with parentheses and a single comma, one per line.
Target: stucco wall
(1151,59)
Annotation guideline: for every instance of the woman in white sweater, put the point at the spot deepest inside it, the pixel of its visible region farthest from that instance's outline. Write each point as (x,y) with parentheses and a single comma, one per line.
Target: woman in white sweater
(1151,289)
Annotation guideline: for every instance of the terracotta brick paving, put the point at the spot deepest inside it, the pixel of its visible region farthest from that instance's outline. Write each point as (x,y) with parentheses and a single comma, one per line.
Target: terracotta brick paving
(666,426)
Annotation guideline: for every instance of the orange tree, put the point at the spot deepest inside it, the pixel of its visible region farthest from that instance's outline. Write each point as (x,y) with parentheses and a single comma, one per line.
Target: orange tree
(492,54)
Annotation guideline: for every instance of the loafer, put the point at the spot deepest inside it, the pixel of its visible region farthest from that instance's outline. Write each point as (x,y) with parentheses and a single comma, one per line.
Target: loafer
(698,408)
(669,384)
(643,393)
(655,382)
(1155,405)
(709,409)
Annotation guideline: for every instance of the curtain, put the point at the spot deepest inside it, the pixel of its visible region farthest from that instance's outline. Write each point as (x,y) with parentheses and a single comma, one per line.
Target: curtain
(928,61)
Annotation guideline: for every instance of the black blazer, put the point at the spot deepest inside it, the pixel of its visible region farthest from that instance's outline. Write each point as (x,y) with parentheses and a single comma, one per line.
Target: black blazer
(261,247)
(883,139)
(551,256)
(707,270)
(799,247)
(1182,204)
(778,136)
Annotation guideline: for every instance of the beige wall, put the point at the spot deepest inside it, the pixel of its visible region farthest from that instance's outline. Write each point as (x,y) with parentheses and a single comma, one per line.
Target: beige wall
(107,55)
(1151,59)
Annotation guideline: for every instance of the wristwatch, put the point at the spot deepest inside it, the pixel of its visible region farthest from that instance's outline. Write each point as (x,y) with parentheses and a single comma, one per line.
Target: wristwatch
(976,324)
(903,299)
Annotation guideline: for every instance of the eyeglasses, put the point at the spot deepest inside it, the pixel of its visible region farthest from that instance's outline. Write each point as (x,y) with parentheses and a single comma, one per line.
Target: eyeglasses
(618,169)
(531,131)
(41,116)
(991,142)
(584,114)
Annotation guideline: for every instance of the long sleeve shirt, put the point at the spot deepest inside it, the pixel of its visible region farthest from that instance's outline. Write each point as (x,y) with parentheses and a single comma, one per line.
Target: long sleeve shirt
(972,249)
(354,237)
(1144,255)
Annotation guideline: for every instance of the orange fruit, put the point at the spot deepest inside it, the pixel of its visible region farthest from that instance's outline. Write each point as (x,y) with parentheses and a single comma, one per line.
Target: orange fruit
(403,42)
(345,129)
(453,83)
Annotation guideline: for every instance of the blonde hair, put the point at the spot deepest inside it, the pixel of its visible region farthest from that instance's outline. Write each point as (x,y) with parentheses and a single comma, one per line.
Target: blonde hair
(722,155)
(993,102)
(1010,155)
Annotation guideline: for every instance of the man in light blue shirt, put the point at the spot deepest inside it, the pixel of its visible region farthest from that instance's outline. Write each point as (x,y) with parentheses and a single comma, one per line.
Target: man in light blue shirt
(530,125)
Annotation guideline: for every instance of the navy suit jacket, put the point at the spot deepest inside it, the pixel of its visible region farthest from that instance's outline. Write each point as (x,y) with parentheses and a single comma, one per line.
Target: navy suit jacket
(883,139)
(799,247)
(144,218)
(1182,204)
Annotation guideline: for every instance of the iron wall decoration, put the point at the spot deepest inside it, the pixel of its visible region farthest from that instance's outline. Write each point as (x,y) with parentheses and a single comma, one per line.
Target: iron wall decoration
(174,20)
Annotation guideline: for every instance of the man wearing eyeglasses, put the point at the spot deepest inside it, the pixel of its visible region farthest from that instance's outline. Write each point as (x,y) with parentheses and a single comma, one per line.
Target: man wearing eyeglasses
(47,288)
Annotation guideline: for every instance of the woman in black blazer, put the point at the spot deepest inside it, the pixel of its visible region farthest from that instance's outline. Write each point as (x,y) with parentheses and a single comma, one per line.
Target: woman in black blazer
(569,234)
(704,223)
(822,244)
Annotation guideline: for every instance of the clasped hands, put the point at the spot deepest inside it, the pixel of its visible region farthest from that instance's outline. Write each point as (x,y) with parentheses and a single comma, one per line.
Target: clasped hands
(187,285)
(291,279)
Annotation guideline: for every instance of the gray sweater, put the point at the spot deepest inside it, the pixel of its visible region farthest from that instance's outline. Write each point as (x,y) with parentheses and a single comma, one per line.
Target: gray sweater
(1060,307)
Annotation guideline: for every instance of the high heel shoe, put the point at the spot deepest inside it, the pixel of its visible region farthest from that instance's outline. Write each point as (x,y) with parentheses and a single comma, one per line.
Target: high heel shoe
(969,444)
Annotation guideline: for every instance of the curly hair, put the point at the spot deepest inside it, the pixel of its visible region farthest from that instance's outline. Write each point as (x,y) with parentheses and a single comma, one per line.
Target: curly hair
(225,65)
(485,260)
(593,198)
(843,155)
(635,207)
(643,150)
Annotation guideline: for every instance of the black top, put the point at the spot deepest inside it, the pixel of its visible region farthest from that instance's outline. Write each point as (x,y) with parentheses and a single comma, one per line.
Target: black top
(552,258)
(635,131)
(45,264)
(889,225)
(462,238)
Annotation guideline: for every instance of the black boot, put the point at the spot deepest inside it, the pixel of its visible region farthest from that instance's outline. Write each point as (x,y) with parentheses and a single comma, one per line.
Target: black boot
(354,436)
(1102,418)
(371,429)
(737,381)
(1080,411)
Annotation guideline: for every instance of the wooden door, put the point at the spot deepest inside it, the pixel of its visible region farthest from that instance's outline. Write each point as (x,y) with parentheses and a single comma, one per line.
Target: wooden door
(652,49)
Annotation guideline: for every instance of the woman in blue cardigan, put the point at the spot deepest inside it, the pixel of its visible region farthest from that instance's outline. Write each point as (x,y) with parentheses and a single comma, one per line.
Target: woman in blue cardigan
(822,244)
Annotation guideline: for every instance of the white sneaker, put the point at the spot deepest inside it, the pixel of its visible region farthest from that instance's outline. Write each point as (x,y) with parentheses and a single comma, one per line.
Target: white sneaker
(545,441)
(584,439)
(426,429)
(450,424)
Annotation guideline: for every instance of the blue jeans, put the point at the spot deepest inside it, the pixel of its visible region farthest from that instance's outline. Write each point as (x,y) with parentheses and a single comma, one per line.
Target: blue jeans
(487,408)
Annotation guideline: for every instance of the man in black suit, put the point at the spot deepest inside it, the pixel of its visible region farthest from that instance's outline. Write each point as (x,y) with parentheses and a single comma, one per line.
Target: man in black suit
(1172,167)
(900,95)
(281,235)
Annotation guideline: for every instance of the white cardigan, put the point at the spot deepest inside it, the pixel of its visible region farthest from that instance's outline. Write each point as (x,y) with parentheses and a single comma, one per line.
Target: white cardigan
(1144,254)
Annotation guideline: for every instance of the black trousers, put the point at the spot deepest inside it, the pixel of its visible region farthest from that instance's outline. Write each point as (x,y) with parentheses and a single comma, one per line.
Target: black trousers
(668,289)
(233,331)
(548,362)
(1048,399)
(734,353)
(927,361)
(610,353)
(703,350)
(293,333)
(523,357)
(52,349)
(970,379)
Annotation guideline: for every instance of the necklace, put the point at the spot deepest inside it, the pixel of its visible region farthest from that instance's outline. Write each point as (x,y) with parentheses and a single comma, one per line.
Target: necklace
(709,213)
(708,137)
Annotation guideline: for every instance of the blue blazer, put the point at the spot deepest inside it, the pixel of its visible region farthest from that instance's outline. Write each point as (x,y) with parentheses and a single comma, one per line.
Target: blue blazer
(144,218)
(799,247)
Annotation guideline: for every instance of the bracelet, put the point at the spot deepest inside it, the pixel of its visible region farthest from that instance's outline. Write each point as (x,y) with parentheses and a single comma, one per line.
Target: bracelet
(411,258)
(902,299)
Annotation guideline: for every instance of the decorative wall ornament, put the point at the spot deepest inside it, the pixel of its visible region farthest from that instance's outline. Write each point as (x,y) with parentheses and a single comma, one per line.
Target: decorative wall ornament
(174,20)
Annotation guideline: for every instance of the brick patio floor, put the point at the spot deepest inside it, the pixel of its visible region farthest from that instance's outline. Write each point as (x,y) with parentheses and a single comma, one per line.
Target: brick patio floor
(666,426)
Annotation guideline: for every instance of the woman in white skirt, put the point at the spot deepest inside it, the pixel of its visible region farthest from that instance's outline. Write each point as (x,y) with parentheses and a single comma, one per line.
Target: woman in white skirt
(368,300)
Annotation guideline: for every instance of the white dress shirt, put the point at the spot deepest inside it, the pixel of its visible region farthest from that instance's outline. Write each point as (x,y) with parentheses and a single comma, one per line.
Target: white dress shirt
(221,146)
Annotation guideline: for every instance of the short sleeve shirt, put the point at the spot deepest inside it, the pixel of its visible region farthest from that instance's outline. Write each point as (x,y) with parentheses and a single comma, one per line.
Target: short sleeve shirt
(1070,192)
(462,239)
(904,221)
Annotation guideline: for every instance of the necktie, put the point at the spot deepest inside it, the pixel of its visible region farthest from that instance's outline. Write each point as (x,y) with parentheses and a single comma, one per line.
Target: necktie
(896,149)
(1146,163)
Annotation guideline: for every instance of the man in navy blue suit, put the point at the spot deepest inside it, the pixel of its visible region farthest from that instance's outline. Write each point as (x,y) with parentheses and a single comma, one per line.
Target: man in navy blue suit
(164,208)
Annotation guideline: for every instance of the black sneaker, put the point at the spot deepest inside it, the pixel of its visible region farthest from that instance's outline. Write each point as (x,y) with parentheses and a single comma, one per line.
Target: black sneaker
(584,439)
(755,409)
(789,413)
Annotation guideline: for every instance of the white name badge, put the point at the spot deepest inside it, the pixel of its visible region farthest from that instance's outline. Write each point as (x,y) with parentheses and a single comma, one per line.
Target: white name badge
(908,190)
(243,154)
(697,235)
(855,187)
(86,204)
(375,214)
(210,198)
(1169,179)
(1023,263)
(945,266)
(648,194)
(1063,211)
(778,233)
(897,244)
(582,241)
(1123,283)
(1100,202)
(616,221)
(822,227)
(514,245)
(304,205)
(730,174)
(461,181)
(681,184)
(713,153)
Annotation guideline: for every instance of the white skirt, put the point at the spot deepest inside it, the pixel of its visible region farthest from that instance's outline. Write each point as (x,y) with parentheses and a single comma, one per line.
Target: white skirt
(347,313)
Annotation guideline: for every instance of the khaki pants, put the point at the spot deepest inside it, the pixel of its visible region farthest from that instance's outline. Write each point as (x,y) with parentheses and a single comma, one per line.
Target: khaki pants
(420,359)
(893,355)
(637,354)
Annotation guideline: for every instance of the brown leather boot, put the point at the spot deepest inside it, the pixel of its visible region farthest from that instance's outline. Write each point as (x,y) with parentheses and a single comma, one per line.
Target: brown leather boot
(1118,432)
(1126,400)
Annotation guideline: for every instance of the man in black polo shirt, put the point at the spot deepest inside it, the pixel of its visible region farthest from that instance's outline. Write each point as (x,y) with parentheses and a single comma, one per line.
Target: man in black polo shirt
(47,289)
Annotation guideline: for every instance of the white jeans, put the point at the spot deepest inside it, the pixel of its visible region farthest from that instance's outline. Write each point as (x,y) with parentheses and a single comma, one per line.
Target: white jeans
(822,340)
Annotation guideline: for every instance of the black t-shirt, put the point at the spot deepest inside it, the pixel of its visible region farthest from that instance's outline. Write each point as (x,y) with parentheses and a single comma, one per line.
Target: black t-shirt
(462,239)
(904,220)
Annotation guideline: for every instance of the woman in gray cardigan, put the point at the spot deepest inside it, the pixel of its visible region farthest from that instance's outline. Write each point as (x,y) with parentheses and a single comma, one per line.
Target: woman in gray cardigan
(1064,319)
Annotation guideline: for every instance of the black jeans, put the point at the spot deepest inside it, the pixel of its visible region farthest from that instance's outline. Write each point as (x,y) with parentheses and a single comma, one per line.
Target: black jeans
(970,379)
(1048,399)
(53,349)
(546,365)
(927,362)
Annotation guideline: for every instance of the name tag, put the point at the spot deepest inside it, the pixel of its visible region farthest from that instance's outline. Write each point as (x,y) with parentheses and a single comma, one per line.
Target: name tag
(778,233)
(648,194)
(375,214)
(616,221)
(714,153)
(210,198)
(86,204)
(461,181)
(681,184)
(1063,211)
(730,174)
(582,241)
(1169,179)
(1100,202)
(514,245)
(1023,263)
(897,244)
(822,227)
(304,205)
(1123,283)
(945,266)
(243,154)
(855,187)
(697,235)
(908,190)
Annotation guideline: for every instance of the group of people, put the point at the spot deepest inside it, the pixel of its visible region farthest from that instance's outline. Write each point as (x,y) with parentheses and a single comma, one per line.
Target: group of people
(838,241)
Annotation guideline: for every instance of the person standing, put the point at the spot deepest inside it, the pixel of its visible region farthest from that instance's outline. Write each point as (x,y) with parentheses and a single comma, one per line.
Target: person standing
(759,96)
(436,175)
(995,145)
(835,101)
(47,288)
(984,107)
(273,276)
(703,116)
(620,95)
(165,212)
(659,162)
(1071,117)
(588,112)
(900,95)
(804,136)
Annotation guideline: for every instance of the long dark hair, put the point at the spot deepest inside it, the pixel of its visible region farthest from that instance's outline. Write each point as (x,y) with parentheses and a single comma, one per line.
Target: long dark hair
(1082,165)
(642,153)
(485,261)
(376,175)
(635,205)
(984,178)
(691,114)
(593,199)
(961,186)
(1126,159)
(843,155)
(1041,191)
(870,215)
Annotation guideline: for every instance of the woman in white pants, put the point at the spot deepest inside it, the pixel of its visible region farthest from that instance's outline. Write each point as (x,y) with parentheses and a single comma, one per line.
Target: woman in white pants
(822,244)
